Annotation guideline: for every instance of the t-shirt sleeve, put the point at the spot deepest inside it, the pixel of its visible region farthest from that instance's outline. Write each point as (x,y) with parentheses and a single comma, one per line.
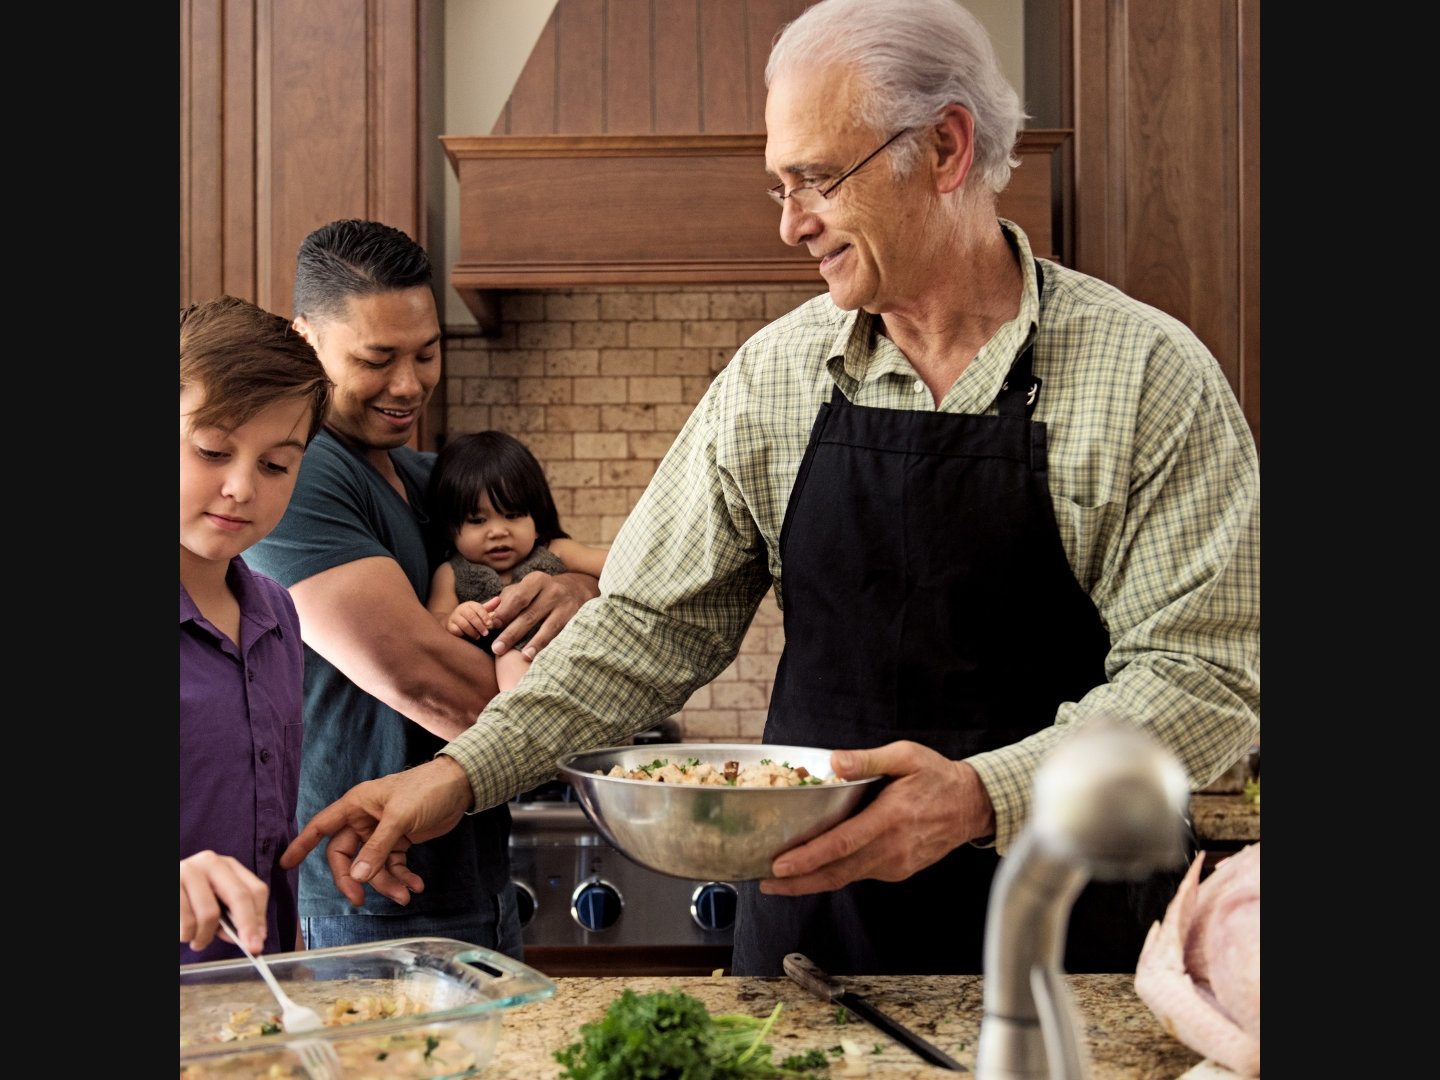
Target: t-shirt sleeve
(329,523)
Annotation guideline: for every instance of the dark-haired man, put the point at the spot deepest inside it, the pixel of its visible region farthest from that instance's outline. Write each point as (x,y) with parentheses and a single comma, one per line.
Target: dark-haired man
(385,685)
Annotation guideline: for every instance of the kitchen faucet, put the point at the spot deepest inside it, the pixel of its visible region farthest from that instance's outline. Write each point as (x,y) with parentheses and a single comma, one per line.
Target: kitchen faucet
(1108,804)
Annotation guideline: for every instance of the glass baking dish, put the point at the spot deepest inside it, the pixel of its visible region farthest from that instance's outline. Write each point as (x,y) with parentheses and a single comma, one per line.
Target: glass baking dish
(462,990)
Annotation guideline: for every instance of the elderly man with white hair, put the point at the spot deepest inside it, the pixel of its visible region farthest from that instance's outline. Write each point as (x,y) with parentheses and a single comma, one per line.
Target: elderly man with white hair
(994,497)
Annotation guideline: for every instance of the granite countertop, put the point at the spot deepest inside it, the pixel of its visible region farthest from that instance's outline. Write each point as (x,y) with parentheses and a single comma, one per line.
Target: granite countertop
(1125,1041)
(1228,818)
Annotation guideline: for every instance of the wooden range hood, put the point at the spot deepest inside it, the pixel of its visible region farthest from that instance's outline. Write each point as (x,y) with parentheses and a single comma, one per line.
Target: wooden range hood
(548,211)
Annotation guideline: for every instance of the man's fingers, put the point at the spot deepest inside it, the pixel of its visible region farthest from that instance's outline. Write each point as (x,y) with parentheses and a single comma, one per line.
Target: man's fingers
(386,884)
(389,833)
(340,855)
(546,634)
(396,864)
(326,823)
(516,629)
(517,596)
(835,876)
(839,843)
(893,759)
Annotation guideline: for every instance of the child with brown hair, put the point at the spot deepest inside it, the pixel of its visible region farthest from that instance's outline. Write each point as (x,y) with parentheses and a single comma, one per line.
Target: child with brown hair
(490,496)
(252,396)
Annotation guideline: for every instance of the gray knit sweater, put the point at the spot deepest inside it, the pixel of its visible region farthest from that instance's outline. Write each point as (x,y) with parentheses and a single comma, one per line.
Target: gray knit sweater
(476,581)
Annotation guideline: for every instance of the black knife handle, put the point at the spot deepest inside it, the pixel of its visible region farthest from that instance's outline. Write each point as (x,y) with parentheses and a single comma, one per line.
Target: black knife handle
(901,1034)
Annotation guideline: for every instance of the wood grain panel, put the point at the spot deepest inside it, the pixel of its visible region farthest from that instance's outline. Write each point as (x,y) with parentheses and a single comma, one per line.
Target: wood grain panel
(318,136)
(204,202)
(580,79)
(631,209)
(763,21)
(650,208)
(238,191)
(677,67)
(1249,216)
(185,100)
(628,103)
(1181,168)
(1091,64)
(393,194)
(724,82)
(531,108)
(665,66)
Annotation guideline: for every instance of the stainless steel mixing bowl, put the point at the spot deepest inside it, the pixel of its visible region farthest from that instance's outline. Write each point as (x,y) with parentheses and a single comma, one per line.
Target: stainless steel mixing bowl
(708,832)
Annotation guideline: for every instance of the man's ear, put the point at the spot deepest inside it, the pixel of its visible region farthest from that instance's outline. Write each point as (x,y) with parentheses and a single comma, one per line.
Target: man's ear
(953,148)
(302,327)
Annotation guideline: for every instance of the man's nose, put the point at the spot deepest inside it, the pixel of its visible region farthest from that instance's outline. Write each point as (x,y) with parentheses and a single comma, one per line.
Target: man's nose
(406,383)
(797,225)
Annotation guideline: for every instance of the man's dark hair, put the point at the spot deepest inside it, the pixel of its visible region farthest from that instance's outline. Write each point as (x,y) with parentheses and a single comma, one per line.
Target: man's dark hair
(354,258)
(498,465)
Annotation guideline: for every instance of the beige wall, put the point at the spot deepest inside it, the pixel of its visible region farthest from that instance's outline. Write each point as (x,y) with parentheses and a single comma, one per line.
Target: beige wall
(1005,21)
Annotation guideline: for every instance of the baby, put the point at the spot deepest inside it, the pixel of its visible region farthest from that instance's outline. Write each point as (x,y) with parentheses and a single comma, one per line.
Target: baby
(490,495)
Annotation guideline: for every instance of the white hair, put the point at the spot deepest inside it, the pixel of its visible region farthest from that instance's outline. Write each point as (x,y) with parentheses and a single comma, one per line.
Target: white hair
(915,57)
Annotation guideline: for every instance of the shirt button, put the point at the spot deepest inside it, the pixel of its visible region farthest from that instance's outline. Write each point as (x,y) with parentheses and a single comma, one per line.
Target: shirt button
(919,386)
(264,755)
(250,675)
(265,847)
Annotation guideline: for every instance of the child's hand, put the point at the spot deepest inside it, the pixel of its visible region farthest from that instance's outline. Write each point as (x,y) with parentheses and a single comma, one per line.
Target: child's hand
(470,620)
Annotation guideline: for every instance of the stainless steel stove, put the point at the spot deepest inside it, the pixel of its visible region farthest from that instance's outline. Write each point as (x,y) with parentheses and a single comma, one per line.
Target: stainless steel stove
(573,888)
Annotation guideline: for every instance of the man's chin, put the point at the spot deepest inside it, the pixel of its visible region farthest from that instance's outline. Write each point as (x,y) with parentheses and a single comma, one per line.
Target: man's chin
(382,436)
(845,296)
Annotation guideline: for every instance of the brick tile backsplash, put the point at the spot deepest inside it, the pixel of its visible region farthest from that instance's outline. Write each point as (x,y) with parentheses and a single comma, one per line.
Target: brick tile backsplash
(597,383)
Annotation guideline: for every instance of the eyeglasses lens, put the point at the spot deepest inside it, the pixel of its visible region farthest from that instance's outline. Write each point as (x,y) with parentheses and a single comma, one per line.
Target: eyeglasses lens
(808,199)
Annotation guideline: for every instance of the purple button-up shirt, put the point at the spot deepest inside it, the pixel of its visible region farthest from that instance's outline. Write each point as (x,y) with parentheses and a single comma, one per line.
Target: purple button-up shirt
(240,736)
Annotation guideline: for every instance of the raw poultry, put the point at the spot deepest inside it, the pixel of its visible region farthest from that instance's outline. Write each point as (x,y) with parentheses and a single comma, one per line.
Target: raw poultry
(1200,968)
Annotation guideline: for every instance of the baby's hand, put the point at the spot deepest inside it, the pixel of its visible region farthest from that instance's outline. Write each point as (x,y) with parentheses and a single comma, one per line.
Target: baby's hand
(471,620)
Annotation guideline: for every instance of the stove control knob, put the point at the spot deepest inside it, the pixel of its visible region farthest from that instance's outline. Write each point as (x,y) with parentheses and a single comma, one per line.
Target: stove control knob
(525,902)
(712,906)
(596,905)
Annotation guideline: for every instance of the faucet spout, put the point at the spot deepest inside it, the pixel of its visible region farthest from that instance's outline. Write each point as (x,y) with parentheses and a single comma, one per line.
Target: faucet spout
(1108,804)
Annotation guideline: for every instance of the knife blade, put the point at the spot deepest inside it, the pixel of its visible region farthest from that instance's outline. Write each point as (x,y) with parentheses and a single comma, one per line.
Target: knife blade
(807,973)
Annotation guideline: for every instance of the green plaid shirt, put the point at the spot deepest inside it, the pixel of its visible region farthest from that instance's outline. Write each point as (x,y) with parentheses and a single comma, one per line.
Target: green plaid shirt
(1157,494)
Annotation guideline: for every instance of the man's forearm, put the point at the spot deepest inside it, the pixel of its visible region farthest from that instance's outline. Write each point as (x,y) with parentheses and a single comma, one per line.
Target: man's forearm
(615,670)
(365,619)
(447,693)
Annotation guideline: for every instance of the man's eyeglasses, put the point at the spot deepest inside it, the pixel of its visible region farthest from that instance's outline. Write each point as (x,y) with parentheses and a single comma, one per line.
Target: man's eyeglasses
(814,200)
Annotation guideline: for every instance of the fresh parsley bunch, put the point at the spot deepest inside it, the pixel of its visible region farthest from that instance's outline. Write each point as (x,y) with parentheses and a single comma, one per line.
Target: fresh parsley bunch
(671,1036)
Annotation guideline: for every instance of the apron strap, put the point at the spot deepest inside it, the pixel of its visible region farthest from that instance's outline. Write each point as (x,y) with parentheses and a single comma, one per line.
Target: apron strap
(1021,390)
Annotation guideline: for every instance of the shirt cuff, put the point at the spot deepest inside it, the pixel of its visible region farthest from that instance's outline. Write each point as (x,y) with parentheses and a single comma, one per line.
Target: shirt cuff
(1009,777)
(484,754)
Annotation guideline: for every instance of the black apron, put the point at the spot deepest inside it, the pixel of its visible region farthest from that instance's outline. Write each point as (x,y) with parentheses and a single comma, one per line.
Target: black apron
(928,597)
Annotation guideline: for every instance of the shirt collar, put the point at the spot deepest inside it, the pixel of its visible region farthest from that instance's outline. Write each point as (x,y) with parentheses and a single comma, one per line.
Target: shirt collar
(860,354)
(255,606)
